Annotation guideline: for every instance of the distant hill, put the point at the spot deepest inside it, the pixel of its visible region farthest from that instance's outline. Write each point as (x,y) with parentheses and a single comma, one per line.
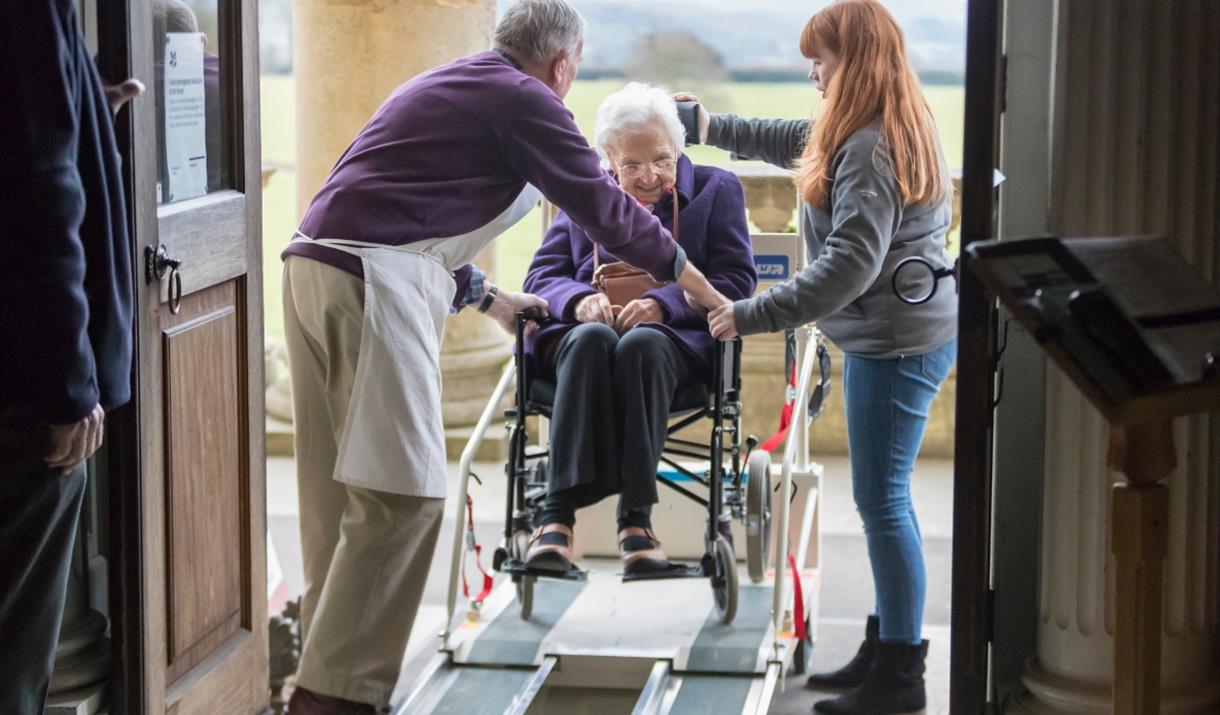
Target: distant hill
(763,34)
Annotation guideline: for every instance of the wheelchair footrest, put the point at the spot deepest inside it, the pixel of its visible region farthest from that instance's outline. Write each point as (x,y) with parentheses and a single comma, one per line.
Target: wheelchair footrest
(513,567)
(674,571)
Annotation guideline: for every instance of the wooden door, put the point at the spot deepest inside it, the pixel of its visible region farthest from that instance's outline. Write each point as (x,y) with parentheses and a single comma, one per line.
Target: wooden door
(197,640)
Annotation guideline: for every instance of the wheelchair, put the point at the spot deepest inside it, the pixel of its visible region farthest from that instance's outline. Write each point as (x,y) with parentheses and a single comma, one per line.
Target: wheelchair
(736,483)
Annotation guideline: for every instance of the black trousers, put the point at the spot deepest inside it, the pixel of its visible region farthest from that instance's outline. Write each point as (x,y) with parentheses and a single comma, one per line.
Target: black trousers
(608,424)
(39,508)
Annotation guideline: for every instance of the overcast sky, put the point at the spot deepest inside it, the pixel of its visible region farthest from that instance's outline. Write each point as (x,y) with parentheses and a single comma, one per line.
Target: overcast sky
(762,33)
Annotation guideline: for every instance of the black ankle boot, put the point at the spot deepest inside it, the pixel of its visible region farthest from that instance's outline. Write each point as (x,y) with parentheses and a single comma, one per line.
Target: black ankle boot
(852,674)
(893,685)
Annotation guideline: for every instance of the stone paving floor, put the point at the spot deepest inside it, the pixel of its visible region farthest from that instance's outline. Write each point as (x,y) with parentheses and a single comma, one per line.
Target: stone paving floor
(847,583)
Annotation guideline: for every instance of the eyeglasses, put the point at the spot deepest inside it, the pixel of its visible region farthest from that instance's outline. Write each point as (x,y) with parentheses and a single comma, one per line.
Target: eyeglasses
(635,171)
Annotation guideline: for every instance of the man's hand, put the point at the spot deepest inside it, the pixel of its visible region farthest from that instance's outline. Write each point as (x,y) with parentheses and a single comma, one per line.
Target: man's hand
(122,93)
(641,310)
(73,443)
(700,294)
(707,300)
(721,323)
(705,119)
(506,305)
(595,308)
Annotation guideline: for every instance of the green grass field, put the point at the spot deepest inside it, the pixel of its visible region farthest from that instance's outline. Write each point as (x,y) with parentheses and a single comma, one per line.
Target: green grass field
(515,249)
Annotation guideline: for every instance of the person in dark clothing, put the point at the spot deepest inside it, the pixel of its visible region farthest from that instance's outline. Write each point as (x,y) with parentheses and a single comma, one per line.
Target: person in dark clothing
(66,288)
(616,368)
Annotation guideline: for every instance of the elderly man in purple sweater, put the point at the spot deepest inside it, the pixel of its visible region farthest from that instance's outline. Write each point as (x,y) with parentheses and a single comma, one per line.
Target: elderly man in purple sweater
(449,161)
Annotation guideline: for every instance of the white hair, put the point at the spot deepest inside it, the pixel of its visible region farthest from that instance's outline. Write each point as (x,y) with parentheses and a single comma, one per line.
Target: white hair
(634,107)
(536,31)
(174,16)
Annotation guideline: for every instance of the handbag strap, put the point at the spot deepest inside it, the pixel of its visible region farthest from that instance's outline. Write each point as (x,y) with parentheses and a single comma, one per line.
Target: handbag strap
(673,233)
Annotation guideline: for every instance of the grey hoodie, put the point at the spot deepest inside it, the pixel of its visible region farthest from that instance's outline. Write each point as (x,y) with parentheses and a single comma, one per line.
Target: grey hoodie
(854,247)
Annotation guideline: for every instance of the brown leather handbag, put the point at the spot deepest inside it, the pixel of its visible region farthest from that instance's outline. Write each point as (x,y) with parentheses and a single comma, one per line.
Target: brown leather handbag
(622,282)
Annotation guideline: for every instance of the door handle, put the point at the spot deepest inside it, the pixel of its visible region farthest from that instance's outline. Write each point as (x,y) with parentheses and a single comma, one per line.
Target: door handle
(157,262)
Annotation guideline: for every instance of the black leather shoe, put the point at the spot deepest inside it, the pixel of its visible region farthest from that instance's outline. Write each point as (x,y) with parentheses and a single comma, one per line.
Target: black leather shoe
(852,674)
(894,684)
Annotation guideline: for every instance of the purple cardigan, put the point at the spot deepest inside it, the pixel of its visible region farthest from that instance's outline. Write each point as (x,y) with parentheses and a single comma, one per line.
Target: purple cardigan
(450,150)
(712,230)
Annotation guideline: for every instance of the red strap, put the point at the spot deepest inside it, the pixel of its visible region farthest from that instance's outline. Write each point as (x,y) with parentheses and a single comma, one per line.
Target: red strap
(785,416)
(798,599)
(477,548)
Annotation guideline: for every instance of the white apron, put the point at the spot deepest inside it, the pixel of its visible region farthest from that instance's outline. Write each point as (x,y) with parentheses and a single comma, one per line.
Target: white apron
(394,437)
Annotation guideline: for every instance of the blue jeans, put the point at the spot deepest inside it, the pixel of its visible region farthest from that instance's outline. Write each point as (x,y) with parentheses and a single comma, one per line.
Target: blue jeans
(887,404)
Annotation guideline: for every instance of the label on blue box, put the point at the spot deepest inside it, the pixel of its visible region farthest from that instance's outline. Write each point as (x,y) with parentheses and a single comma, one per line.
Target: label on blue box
(771,268)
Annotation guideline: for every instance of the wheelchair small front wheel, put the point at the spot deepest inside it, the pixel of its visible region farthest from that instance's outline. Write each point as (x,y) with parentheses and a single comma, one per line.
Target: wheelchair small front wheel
(523,583)
(758,514)
(724,583)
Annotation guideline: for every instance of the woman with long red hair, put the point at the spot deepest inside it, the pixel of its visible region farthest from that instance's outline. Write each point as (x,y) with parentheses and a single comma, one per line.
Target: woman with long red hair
(876,191)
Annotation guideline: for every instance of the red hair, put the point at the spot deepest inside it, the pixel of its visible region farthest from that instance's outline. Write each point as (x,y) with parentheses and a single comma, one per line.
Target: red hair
(873,81)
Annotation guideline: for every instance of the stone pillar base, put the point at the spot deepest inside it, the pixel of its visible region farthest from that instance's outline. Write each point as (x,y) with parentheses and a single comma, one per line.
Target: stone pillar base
(472,359)
(86,701)
(82,666)
(1046,693)
(493,448)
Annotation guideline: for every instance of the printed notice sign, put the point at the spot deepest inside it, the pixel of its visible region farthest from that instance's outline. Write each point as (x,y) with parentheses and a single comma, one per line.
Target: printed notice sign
(185,128)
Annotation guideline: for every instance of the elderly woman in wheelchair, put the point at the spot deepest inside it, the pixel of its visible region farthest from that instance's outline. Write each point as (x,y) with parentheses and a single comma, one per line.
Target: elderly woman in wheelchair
(617,366)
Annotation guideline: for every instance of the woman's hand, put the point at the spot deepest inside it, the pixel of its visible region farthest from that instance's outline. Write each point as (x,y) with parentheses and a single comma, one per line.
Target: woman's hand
(641,310)
(719,312)
(704,118)
(721,323)
(595,308)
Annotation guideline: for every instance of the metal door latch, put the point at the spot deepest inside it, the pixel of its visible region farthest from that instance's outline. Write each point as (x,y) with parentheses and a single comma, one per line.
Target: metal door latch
(157,263)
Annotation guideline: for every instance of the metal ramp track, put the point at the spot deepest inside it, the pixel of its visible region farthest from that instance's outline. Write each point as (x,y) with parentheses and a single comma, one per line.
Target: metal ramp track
(676,660)
(670,693)
(453,689)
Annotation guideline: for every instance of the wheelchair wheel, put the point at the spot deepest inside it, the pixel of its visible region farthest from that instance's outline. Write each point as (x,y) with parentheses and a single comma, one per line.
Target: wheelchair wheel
(524,584)
(724,585)
(758,514)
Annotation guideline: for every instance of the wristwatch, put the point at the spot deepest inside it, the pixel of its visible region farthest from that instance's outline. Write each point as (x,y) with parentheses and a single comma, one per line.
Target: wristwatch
(488,298)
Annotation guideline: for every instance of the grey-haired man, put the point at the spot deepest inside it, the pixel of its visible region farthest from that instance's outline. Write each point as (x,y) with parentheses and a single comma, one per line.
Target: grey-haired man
(382,256)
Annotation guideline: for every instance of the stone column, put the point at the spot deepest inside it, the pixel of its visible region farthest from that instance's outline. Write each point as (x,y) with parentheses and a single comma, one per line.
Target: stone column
(348,56)
(1134,86)
(1072,671)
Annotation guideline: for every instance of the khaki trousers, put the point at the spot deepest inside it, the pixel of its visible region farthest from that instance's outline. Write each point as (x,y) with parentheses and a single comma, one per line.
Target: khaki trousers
(366,553)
